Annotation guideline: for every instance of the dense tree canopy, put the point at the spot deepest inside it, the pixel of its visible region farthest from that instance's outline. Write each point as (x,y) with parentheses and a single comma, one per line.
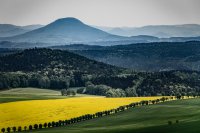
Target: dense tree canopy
(55,69)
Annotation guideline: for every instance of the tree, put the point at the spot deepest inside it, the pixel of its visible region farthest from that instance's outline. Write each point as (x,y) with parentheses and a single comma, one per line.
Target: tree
(36,126)
(45,125)
(40,126)
(110,93)
(53,124)
(30,127)
(8,129)
(131,92)
(25,128)
(44,82)
(14,129)
(81,90)
(178,96)
(63,92)
(120,93)
(71,92)
(3,130)
(19,129)
(49,124)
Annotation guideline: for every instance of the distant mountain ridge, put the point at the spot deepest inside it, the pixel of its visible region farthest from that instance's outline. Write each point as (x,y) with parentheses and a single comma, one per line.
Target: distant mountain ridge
(65,30)
(8,30)
(161,31)
(72,31)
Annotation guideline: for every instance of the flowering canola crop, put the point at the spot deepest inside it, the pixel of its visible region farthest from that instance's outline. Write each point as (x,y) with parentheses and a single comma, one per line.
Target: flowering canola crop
(25,113)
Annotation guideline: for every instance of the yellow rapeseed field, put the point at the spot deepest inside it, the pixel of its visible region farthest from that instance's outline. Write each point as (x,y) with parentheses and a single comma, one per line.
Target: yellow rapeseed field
(24,113)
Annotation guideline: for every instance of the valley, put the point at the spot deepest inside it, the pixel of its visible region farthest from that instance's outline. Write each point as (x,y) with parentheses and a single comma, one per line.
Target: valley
(68,75)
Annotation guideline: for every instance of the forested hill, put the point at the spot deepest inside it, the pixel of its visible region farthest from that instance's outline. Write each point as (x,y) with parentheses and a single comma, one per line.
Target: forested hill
(56,69)
(157,56)
(47,60)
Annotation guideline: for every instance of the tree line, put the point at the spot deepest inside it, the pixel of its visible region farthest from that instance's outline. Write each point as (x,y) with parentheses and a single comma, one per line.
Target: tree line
(170,83)
(88,116)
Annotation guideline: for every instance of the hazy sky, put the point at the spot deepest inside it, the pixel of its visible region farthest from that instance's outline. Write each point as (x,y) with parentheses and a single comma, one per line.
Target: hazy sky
(115,13)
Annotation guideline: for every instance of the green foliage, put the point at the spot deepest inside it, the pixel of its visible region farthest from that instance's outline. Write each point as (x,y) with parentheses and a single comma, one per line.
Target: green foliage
(81,90)
(56,69)
(63,92)
(155,56)
(115,93)
(71,92)
(131,92)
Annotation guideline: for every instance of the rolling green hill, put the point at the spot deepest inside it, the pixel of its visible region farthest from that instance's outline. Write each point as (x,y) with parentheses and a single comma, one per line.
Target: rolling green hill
(146,119)
(22,94)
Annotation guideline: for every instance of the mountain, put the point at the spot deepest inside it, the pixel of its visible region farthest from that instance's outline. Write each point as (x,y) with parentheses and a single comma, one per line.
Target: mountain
(121,41)
(158,56)
(72,31)
(32,27)
(8,30)
(161,31)
(65,30)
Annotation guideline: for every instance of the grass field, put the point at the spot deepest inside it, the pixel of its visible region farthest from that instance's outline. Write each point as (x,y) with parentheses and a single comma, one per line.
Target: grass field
(22,94)
(24,113)
(146,119)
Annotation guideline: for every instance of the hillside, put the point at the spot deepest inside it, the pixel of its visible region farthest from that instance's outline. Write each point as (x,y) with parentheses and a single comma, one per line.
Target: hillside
(56,69)
(23,94)
(158,56)
(40,111)
(147,119)
(46,68)
(29,93)
(45,59)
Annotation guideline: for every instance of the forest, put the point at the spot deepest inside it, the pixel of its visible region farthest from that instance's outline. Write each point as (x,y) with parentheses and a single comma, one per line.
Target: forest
(56,69)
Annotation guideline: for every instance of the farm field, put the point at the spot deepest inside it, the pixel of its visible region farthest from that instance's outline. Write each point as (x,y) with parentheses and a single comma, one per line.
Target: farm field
(145,119)
(24,113)
(22,94)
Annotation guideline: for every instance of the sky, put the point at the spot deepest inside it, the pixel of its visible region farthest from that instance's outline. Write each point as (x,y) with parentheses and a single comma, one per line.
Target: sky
(111,13)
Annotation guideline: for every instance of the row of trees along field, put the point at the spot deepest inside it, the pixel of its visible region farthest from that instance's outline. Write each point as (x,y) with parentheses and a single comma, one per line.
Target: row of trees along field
(87,116)
(169,83)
